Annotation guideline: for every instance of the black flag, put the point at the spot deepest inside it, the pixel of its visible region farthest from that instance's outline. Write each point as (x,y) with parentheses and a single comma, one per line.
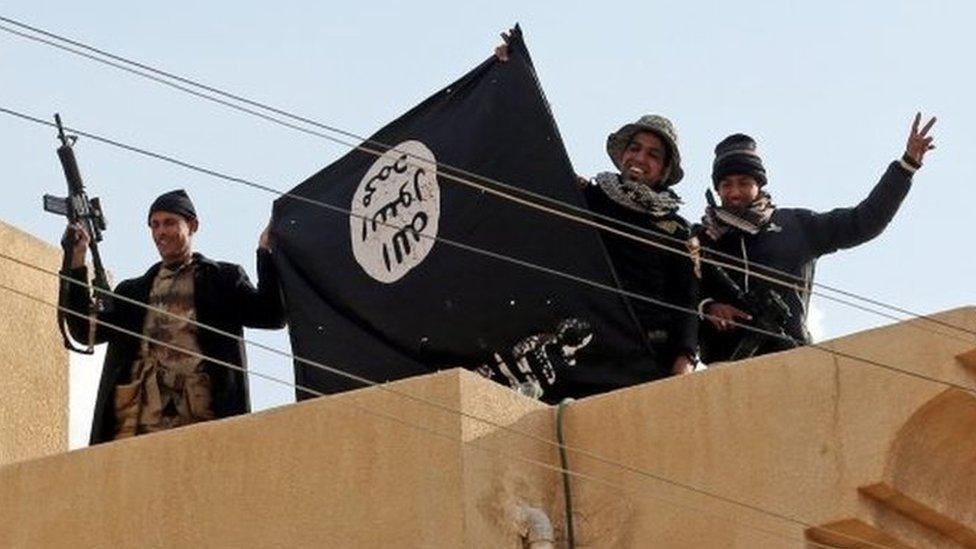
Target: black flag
(371,292)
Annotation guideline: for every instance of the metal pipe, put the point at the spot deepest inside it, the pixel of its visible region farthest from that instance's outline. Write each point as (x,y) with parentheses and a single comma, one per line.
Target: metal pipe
(536,528)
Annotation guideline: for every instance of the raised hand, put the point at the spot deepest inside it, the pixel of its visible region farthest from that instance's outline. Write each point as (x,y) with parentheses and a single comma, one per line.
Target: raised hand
(682,365)
(75,241)
(266,240)
(919,142)
(501,52)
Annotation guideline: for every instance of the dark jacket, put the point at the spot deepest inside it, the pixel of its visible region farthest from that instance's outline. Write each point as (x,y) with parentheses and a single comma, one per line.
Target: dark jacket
(792,242)
(657,274)
(224,298)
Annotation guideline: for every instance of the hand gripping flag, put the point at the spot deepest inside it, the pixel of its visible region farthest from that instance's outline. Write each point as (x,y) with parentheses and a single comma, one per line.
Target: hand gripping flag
(391,267)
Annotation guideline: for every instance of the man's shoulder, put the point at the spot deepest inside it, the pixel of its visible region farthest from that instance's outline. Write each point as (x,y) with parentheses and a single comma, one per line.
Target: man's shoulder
(143,280)
(220,272)
(790,214)
(129,285)
(791,211)
(205,262)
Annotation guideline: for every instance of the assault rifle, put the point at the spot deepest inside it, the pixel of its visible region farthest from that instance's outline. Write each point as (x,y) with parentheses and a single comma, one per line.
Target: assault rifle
(78,208)
(769,313)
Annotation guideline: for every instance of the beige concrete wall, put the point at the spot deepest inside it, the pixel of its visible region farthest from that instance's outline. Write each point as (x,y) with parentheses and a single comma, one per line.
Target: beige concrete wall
(361,469)
(33,363)
(507,464)
(743,455)
(794,434)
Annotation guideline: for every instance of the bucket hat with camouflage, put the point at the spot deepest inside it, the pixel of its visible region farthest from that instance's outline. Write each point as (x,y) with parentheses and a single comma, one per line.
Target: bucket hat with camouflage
(658,125)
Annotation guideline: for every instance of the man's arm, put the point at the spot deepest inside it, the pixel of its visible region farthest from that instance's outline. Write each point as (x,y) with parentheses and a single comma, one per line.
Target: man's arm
(715,298)
(848,227)
(79,302)
(260,307)
(683,292)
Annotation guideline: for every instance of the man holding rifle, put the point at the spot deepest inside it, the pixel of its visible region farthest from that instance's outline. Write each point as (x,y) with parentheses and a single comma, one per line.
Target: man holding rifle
(780,243)
(170,377)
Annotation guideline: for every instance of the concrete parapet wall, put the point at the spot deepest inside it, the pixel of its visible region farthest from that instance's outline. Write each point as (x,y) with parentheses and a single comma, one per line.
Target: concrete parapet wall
(795,434)
(362,469)
(786,450)
(33,363)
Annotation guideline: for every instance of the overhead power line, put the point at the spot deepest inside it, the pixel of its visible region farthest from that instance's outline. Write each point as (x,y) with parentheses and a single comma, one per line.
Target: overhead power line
(187,165)
(378,148)
(413,425)
(474,249)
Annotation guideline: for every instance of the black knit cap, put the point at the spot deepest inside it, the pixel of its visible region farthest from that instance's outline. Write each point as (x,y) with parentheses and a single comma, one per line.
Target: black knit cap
(736,155)
(177,202)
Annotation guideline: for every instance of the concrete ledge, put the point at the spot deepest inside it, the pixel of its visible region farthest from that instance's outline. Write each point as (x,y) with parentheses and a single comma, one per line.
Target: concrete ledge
(968,360)
(919,512)
(853,534)
(932,462)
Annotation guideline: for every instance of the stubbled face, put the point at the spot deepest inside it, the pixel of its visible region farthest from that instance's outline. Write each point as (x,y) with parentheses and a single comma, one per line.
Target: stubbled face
(173,235)
(644,159)
(738,191)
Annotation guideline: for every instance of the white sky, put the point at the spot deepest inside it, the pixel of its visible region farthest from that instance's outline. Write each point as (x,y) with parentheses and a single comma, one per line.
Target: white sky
(828,89)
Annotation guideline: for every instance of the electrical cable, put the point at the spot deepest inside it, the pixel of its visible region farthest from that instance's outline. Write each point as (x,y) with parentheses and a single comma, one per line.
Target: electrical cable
(473,249)
(563,462)
(315,364)
(540,439)
(345,211)
(119,62)
(931,379)
(422,428)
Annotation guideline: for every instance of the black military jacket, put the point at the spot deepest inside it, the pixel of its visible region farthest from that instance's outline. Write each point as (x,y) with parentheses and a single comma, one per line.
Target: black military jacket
(224,298)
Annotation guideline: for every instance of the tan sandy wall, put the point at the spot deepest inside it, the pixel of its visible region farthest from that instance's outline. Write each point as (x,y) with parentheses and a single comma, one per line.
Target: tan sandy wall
(743,455)
(508,465)
(794,435)
(33,363)
(361,469)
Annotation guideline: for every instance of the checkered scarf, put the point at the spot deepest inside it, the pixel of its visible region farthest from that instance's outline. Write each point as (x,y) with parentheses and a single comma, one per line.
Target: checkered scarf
(638,196)
(718,220)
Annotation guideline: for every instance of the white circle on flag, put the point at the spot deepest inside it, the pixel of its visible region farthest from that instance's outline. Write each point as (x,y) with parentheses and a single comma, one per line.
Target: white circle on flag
(395,212)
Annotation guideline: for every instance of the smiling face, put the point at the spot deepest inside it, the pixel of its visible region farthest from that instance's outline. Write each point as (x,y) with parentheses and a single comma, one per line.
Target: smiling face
(173,235)
(738,191)
(644,159)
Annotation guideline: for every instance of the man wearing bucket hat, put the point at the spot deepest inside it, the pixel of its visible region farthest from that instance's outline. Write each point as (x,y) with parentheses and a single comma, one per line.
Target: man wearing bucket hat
(646,154)
(783,244)
(160,381)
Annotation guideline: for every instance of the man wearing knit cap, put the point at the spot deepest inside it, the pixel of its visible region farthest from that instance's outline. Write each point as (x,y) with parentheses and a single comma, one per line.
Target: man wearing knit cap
(646,154)
(177,373)
(771,252)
